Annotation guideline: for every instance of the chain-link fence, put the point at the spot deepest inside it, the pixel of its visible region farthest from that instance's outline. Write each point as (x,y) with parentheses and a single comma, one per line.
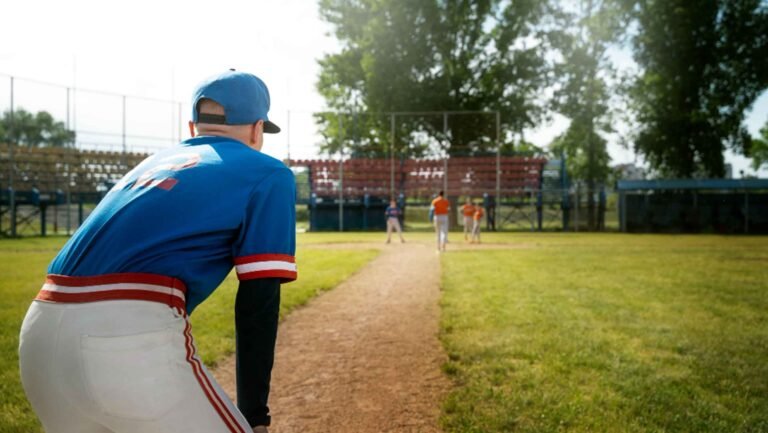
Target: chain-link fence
(51,188)
(347,165)
(409,157)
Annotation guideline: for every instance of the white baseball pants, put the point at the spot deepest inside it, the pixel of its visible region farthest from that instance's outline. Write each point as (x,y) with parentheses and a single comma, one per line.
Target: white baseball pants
(441,230)
(467,226)
(121,366)
(393,224)
(476,231)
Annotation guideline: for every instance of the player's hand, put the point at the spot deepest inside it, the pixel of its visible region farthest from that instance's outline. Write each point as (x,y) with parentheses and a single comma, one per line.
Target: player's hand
(260,429)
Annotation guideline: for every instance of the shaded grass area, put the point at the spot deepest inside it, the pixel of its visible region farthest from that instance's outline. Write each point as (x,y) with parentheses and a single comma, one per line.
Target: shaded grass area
(23,264)
(607,333)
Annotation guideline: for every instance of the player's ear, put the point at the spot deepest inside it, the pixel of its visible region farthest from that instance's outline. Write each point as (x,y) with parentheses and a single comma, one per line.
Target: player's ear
(257,134)
(192,129)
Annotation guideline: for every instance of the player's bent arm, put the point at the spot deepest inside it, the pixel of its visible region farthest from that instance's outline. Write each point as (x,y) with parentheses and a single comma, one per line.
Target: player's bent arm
(257,308)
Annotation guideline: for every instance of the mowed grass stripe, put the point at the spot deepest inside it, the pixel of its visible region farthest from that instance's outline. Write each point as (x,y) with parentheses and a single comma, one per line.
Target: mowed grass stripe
(23,264)
(615,333)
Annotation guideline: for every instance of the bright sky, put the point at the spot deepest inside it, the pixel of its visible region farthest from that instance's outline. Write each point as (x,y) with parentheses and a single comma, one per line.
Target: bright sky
(162,49)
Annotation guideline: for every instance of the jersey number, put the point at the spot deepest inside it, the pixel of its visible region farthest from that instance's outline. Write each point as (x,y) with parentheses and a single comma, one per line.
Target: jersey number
(161,174)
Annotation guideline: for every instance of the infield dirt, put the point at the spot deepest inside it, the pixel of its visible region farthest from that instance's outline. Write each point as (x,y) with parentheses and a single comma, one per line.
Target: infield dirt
(364,357)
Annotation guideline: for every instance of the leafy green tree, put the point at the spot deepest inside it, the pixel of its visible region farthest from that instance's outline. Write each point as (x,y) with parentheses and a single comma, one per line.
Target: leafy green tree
(34,130)
(583,93)
(703,65)
(758,149)
(429,55)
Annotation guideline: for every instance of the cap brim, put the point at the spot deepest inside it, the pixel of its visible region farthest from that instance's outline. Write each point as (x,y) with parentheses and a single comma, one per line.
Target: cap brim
(270,128)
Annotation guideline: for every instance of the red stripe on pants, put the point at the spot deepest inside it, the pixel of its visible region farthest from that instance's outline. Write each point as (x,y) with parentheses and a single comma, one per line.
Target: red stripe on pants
(210,392)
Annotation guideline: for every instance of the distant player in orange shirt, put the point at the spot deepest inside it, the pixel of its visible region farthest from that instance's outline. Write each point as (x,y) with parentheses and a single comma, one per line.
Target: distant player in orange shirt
(440,207)
(478,217)
(468,210)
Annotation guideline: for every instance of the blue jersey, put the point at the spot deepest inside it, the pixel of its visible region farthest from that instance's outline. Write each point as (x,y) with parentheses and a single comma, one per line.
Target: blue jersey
(392,212)
(192,213)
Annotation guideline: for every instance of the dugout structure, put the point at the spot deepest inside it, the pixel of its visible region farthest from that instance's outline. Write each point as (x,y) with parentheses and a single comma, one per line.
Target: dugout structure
(694,206)
(37,180)
(352,194)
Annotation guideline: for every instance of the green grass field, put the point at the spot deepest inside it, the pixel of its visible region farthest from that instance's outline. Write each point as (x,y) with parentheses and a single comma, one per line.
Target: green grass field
(22,270)
(607,333)
(544,332)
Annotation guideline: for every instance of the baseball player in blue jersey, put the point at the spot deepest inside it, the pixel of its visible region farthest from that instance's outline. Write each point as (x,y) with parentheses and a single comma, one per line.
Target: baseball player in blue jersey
(106,346)
(393,213)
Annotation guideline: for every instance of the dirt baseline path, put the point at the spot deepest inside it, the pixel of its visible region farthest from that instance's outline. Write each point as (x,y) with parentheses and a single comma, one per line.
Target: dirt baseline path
(364,357)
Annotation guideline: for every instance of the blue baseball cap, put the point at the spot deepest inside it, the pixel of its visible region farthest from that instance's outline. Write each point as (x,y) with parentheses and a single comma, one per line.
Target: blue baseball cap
(244,96)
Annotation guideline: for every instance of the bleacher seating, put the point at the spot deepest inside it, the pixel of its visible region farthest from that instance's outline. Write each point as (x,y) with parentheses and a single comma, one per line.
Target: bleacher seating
(50,168)
(421,178)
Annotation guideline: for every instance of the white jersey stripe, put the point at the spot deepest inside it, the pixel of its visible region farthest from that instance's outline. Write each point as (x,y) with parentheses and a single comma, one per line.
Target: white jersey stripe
(271,265)
(117,286)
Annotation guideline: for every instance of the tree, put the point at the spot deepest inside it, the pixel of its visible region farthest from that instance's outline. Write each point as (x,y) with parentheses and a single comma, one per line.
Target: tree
(34,130)
(583,93)
(758,149)
(703,65)
(428,55)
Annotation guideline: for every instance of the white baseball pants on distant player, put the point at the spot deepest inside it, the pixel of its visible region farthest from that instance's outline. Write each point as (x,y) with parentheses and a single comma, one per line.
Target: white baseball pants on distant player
(467,226)
(393,224)
(476,231)
(123,366)
(441,230)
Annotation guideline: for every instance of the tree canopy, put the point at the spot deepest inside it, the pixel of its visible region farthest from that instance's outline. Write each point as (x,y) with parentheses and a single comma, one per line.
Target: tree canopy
(583,91)
(703,65)
(758,150)
(34,130)
(432,56)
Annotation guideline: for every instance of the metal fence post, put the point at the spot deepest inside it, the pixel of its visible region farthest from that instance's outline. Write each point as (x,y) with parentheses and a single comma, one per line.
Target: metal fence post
(498,158)
(125,161)
(69,175)
(622,217)
(532,218)
(576,209)
(180,123)
(288,135)
(445,154)
(12,168)
(746,212)
(341,175)
(392,156)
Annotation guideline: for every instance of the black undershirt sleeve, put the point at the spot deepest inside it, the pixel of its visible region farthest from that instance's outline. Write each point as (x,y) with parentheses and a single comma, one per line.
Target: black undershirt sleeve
(257,308)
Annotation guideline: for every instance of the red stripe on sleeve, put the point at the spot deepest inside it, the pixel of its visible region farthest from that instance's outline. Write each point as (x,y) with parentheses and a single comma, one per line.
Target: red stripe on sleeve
(286,276)
(265,258)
